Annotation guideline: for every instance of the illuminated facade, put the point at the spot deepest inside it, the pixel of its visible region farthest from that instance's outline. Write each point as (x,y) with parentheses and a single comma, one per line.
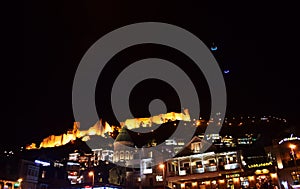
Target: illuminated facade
(192,169)
(225,160)
(140,169)
(102,128)
(8,184)
(219,167)
(286,151)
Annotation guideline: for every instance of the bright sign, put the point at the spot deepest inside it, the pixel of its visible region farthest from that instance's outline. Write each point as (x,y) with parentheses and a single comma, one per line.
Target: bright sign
(264,171)
(159,178)
(260,165)
(43,163)
(233,176)
(289,139)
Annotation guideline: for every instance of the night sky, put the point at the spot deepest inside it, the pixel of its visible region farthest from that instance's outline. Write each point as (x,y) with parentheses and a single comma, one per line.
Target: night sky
(258,42)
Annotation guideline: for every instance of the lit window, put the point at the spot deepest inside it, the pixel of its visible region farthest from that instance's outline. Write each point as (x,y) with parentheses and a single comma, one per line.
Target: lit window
(121,155)
(195,147)
(127,155)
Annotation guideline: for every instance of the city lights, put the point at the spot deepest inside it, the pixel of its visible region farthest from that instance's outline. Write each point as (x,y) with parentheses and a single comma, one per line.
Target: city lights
(292,146)
(151,95)
(91,174)
(162,167)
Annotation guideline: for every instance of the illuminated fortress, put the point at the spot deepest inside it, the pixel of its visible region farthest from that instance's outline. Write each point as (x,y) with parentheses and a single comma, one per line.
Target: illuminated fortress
(101,128)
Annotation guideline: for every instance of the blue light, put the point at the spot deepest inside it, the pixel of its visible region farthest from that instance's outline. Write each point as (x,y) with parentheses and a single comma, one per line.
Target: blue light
(214,48)
(226,71)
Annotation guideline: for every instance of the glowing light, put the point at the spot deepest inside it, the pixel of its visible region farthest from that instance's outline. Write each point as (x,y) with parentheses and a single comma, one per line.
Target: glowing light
(101,128)
(214,48)
(159,178)
(43,163)
(235,180)
(158,119)
(289,139)
(273,175)
(263,171)
(16,185)
(91,173)
(260,165)
(161,166)
(72,163)
(222,181)
(292,146)
(226,71)
(251,178)
(280,165)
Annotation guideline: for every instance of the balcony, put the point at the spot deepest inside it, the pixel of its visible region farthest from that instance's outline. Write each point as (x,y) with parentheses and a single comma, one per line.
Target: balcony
(232,166)
(199,170)
(182,172)
(205,169)
(211,168)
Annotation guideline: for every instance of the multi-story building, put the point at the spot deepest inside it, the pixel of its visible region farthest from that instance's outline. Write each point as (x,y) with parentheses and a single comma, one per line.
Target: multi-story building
(18,173)
(229,163)
(219,167)
(214,168)
(287,154)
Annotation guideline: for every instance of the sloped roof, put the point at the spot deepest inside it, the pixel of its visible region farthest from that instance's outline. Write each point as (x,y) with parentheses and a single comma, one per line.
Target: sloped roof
(187,150)
(124,136)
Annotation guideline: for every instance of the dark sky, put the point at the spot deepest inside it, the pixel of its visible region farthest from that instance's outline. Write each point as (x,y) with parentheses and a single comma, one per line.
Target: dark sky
(258,42)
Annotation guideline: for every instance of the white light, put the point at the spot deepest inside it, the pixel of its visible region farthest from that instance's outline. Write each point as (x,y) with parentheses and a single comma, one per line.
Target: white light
(43,163)
(159,178)
(72,163)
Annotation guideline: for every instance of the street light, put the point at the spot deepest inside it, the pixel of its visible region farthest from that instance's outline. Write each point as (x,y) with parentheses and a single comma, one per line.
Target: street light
(294,156)
(292,146)
(162,166)
(91,174)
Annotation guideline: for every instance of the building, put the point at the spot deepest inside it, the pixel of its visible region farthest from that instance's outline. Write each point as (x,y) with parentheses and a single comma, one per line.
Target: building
(9,184)
(18,173)
(212,169)
(286,152)
(137,168)
(219,167)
